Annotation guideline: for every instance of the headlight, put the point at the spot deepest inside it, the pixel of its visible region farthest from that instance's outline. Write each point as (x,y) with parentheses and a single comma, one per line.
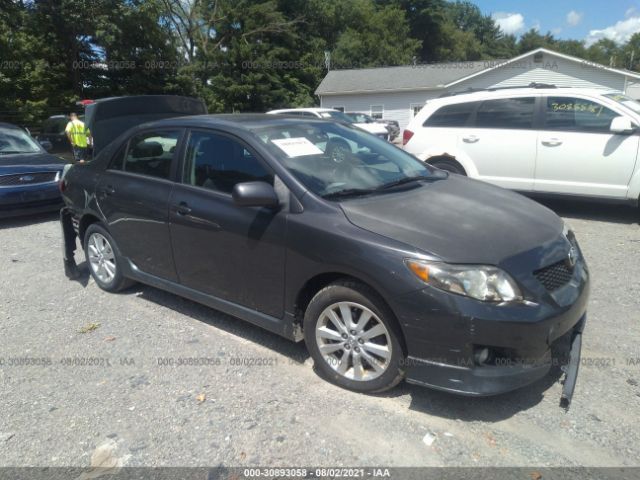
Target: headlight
(486,283)
(58,176)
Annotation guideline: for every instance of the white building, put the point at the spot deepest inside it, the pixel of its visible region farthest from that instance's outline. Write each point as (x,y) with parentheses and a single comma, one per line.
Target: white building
(398,93)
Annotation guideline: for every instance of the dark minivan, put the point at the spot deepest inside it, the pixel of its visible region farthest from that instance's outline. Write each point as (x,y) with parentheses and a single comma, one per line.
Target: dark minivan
(387,267)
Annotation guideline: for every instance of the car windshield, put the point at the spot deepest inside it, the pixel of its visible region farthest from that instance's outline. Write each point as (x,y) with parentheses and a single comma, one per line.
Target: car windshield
(16,140)
(360,117)
(624,100)
(336,115)
(336,161)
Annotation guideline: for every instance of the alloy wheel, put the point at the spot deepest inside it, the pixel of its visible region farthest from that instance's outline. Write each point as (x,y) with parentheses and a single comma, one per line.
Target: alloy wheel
(101,258)
(353,341)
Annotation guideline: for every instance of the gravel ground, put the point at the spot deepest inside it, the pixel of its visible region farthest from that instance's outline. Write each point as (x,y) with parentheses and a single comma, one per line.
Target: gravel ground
(137,411)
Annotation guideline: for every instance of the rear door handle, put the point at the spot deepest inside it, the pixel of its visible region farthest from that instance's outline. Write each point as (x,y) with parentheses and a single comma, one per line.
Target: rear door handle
(551,142)
(470,139)
(183,209)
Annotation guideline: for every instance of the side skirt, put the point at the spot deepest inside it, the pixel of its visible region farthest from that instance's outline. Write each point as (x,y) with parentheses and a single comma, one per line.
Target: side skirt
(283,327)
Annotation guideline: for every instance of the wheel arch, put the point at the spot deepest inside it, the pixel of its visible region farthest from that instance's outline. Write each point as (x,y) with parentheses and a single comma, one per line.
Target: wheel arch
(445,158)
(316,283)
(86,220)
(454,155)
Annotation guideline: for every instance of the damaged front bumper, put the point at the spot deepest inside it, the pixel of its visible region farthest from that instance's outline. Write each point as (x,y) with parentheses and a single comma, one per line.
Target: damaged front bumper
(471,348)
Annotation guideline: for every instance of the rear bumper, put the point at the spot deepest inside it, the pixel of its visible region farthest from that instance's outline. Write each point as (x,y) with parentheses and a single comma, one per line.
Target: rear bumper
(29,200)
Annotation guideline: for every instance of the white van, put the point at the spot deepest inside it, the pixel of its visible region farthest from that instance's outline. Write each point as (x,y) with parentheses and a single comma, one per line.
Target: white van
(548,140)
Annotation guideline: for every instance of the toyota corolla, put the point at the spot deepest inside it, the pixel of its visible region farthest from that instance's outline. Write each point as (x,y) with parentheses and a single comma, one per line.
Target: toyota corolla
(387,268)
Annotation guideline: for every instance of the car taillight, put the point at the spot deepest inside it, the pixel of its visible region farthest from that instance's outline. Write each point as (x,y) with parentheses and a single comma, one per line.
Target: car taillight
(406,136)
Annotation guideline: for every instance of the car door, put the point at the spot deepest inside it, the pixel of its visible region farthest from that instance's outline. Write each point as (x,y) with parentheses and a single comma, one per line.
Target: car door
(501,141)
(577,152)
(133,195)
(230,252)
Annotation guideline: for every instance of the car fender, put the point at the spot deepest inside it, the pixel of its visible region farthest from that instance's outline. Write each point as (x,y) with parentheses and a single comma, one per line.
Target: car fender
(458,155)
(633,192)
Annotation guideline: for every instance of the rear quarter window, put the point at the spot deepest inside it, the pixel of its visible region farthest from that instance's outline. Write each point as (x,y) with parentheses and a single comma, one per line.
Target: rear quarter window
(456,115)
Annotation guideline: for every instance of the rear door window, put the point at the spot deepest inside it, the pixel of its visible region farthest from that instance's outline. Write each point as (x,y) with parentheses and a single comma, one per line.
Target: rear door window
(456,115)
(150,154)
(506,113)
(577,114)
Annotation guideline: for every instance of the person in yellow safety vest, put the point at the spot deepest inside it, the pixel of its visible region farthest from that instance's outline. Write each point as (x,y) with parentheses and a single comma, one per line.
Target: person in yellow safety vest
(79,136)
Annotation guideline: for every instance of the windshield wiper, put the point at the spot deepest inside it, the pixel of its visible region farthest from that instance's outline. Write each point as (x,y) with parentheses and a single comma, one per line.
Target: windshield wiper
(352,192)
(349,192)
(10,152)
(402,181)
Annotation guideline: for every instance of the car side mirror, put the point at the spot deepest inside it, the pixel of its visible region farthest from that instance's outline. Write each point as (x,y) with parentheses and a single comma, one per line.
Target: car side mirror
(46,144)
(622,125)
(255,194)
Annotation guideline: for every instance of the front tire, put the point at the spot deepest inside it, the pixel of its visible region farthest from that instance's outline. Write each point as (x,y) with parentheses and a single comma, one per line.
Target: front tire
(104,260)
(353,338)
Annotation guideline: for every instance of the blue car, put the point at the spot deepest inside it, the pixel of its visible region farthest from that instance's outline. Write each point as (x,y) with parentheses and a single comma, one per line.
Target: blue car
(29,175)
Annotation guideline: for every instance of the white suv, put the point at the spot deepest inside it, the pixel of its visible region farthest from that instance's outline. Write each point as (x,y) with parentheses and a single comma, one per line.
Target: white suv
(548,140)
(377,129)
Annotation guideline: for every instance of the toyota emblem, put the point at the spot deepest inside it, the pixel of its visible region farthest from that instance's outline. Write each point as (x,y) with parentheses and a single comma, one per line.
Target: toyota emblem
(572,257)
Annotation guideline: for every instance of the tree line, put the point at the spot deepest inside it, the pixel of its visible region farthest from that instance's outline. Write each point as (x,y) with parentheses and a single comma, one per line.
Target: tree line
(239,55)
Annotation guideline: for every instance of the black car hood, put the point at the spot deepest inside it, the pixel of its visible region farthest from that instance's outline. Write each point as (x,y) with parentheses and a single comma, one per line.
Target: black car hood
(458,219)
(31,159)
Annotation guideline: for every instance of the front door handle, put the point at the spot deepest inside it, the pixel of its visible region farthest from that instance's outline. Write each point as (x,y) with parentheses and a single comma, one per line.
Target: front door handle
(470,139)
(551,142)
(183,209)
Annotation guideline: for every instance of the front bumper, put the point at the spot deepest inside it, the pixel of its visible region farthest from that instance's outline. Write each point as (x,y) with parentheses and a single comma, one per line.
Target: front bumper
(443,341)
(30,199)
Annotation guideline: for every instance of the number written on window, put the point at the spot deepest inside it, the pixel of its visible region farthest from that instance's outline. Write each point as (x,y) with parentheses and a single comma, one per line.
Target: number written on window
(577,114)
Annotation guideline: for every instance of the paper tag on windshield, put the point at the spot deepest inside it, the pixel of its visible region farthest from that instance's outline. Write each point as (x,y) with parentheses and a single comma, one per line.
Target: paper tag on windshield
(297,147)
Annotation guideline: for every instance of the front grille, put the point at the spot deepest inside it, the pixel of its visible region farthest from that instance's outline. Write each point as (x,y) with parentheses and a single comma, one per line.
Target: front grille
(27,178)
(554,276)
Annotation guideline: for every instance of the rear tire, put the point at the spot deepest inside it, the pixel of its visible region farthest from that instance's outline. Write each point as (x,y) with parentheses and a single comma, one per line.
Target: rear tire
(353,338)
(449,165)
(104,259)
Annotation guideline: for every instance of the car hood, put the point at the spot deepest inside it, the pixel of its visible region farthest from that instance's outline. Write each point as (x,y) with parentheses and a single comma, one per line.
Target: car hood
(458,220)
(372,127)
(29,160)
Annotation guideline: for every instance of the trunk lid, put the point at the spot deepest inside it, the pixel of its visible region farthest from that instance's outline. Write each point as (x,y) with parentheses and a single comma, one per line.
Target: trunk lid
(108,118)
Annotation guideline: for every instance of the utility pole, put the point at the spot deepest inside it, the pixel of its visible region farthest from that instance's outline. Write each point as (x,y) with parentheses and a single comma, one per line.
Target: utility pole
(327,59)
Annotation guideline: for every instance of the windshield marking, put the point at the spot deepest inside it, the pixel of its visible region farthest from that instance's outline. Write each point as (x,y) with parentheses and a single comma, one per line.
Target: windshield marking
(296,147)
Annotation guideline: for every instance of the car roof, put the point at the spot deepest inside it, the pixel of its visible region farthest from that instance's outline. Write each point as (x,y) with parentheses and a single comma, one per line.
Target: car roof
(245,121)
(10,125)
(459,97)
(309,109)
